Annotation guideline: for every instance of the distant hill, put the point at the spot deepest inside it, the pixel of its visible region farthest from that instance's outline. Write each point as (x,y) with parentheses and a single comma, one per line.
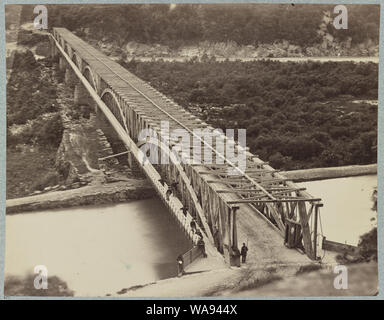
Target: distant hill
(179,25)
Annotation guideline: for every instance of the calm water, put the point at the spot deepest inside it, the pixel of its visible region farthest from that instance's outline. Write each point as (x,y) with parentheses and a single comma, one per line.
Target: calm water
(97,250)
(347,213)
(100,250)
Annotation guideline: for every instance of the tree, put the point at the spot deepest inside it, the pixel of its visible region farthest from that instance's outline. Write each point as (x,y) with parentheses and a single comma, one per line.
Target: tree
(278,161)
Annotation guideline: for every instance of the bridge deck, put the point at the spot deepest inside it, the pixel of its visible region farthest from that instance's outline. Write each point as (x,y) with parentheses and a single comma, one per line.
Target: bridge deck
(263,196)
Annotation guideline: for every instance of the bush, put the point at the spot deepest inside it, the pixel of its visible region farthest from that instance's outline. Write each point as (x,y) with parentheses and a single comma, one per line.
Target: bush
(24,60)
(48,180)
(24,286)
(368,245)
(49,132)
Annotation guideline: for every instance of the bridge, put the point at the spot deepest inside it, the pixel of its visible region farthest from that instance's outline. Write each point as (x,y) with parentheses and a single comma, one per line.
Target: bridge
(225,202)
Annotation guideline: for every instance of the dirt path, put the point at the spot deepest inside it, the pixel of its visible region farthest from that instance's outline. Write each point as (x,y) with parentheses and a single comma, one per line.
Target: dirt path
(221,282)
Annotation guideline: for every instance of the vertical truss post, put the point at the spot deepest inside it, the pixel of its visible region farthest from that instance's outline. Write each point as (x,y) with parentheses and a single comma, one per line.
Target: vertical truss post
(305,229)
(234,229)
(316,217)
(234,253)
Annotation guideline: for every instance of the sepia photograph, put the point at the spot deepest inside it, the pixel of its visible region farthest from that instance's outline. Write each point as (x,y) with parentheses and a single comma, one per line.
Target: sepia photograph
(175,150)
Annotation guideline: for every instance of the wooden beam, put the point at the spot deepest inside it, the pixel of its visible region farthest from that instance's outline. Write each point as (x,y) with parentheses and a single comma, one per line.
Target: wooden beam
(247,171)
(315,233)
(277,218)
(235,180)
(113,155)
(273,201)
(287,191)
(306,230)
(272,180)
(237,190)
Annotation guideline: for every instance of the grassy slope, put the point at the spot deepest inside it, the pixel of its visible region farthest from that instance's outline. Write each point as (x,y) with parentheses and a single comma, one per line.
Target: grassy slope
(26,169)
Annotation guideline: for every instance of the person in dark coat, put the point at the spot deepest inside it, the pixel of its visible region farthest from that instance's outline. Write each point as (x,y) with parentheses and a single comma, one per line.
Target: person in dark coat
(168,194)
(201,244)
(243,252)
(193,225)
(185,210)
(180,265)
(174,187)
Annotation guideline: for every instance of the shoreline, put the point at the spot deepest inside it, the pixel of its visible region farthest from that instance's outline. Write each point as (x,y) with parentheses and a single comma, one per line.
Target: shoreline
(139,189)
(89,195)
(315,174)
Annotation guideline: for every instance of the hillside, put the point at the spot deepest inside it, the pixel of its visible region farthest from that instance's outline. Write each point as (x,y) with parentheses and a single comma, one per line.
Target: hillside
(251,30)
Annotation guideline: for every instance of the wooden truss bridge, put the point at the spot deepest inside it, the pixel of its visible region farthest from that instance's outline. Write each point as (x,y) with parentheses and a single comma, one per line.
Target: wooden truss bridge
(204,193)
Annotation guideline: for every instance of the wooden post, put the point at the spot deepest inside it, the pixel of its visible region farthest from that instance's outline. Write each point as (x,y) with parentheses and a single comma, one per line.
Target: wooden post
(315,232)
(234,256)
(229,229)
(234,241)
(305,229)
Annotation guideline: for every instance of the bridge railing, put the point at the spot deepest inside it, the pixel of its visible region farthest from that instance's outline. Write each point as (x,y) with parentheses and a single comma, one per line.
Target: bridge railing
(191,255)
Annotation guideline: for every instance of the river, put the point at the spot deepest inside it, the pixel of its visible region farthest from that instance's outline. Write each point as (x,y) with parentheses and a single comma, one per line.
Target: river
(347,213)
(101,250)
(246,59)
(97,250)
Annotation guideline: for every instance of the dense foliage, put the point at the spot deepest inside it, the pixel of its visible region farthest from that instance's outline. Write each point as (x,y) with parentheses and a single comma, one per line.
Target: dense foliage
(189,24)
(297,115)
(24,286)
(368,245)
(34,126)
(31,100)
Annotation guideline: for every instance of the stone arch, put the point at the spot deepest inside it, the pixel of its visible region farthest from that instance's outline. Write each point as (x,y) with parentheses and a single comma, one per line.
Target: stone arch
(88,74)
(62,42)
(112,102)
(76,59)
(67,48)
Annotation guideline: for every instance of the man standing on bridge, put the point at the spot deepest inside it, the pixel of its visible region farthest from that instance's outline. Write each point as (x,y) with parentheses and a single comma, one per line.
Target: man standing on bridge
(244,250)
(180,265)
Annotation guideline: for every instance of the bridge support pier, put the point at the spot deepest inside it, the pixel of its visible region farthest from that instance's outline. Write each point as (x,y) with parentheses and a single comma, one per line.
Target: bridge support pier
(53,52)
(70,78)
(133,165)
(62,63)
(81,96)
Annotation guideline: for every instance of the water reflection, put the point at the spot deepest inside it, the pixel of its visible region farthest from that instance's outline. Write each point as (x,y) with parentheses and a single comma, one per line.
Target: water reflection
(101,250)
(97,250)
(347,213)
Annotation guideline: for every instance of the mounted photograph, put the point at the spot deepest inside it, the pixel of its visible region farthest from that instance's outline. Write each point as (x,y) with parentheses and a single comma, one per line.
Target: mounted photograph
(191,150)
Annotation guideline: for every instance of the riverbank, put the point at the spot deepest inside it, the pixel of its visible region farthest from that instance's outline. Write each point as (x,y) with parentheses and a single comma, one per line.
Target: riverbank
(330,173)
(136,189)
(270,269)
(260,281)
(122,191)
